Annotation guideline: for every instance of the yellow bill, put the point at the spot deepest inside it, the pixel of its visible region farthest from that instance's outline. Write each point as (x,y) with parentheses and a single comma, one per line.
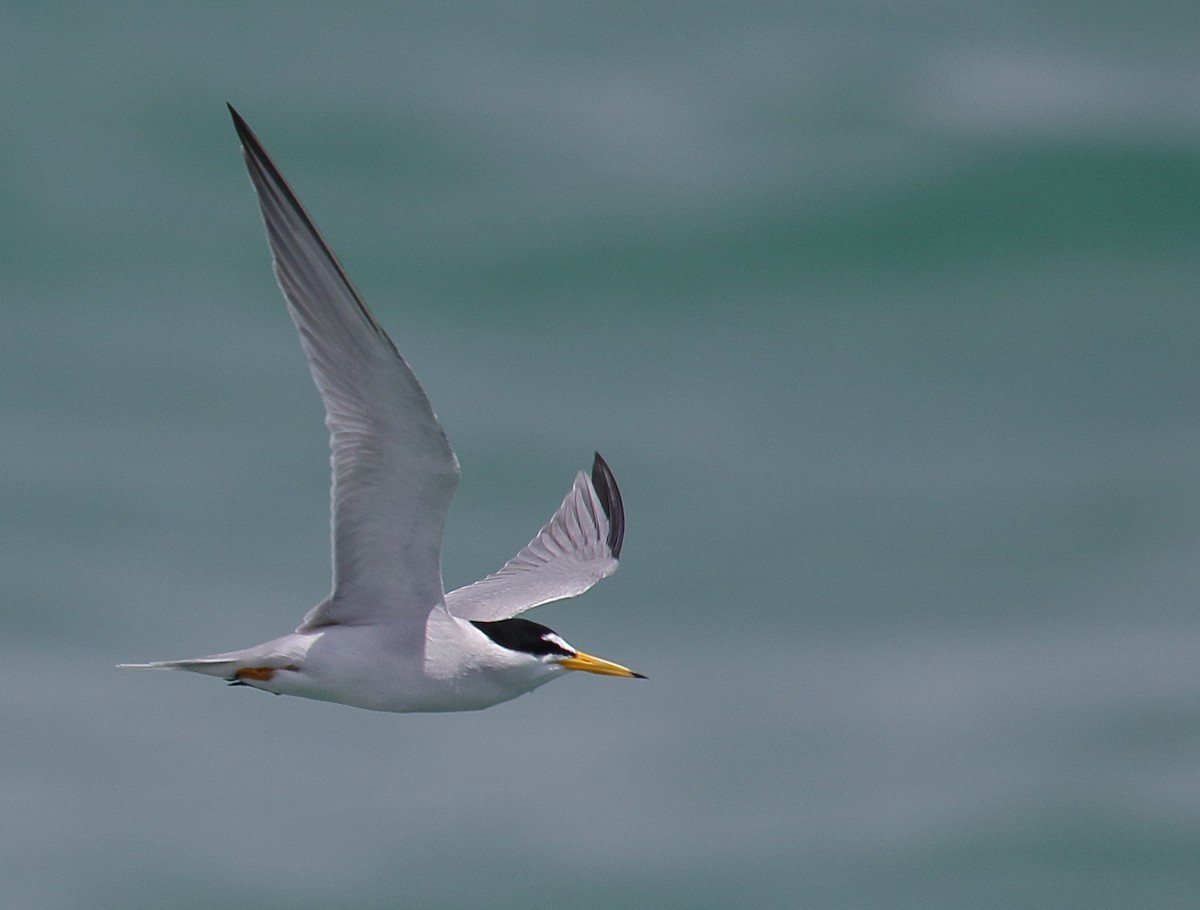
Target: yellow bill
(589,664)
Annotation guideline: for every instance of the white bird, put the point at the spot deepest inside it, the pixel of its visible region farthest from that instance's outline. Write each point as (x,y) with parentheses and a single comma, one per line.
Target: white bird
(387,638)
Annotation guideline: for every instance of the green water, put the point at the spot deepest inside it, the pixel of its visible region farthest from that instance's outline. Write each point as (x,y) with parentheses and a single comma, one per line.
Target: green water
(885,316)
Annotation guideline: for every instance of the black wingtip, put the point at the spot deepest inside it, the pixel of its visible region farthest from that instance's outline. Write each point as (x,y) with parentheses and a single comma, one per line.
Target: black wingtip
(238,123)
(610,498)
(269,182)
(249,141)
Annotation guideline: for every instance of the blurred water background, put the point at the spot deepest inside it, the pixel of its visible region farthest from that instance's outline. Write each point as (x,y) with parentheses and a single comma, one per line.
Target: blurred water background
(885,315)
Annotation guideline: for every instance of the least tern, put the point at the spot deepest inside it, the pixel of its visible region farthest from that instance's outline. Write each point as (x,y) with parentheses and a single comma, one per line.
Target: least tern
(388,638)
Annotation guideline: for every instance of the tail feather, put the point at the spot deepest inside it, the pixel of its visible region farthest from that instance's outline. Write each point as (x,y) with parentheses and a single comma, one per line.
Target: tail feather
(281,652)
(209,666)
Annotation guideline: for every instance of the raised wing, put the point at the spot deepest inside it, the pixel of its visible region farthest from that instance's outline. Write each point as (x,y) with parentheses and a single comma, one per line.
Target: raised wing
(577,547)
(393,469)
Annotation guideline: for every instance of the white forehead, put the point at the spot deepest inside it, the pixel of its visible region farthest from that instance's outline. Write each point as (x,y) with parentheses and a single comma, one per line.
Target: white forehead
(555,639)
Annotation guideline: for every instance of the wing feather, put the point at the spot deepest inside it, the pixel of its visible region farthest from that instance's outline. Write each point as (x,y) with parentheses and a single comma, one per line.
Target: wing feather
(394,472)
(578,546)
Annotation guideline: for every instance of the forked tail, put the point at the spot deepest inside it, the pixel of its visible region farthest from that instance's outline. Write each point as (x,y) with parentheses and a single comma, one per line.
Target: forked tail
(222,667)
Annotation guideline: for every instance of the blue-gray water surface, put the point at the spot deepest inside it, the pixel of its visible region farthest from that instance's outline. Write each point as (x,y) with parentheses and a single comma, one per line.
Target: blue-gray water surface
(884,314)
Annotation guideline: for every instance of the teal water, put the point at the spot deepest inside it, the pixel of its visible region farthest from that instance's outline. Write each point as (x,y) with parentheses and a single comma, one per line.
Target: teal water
(885,316)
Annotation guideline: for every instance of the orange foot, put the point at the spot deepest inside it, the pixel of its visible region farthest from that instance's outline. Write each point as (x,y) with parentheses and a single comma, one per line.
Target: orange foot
(262,674)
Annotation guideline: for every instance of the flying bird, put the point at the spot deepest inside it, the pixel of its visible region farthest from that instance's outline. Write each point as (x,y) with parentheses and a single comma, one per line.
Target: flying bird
(388,638)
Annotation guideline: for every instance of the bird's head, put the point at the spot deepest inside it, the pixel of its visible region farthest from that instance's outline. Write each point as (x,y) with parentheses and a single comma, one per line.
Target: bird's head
(539,647)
